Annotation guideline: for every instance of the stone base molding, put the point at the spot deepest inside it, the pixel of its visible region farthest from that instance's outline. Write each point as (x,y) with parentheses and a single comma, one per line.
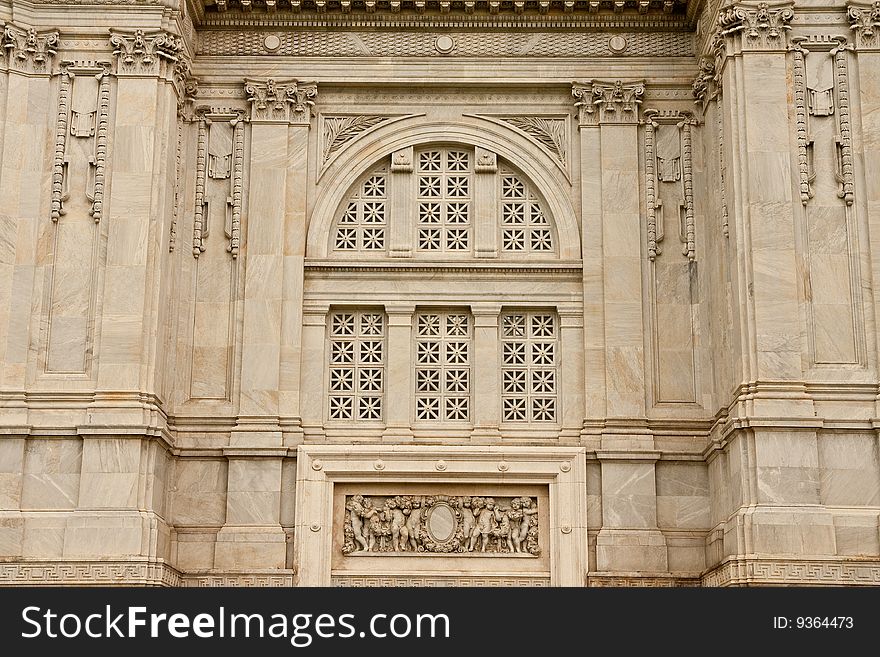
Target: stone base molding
(757,571)
(132,573)
(439,582)
(89,573)
(635,580)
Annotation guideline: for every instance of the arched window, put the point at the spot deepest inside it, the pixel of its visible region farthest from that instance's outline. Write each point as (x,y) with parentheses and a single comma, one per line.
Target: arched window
(442,203)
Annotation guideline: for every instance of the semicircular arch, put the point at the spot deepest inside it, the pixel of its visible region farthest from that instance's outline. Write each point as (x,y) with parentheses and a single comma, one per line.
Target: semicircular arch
(336,183)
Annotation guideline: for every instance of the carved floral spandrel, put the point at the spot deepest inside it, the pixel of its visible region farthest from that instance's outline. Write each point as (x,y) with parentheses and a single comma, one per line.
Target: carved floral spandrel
(438,524)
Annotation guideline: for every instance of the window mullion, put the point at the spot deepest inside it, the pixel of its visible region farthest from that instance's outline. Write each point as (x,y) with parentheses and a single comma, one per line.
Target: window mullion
(401,201)
(485,204)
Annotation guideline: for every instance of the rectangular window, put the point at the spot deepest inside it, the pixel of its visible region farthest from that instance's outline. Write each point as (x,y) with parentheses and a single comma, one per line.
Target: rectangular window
(357,365)
(444,193)
(529,359)
(443,366)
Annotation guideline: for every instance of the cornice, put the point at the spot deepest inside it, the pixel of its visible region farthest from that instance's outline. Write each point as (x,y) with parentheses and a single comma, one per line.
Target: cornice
(433,268)
(451,7)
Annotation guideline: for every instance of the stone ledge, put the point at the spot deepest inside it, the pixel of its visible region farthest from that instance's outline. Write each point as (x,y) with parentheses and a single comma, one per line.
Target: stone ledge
(760,571)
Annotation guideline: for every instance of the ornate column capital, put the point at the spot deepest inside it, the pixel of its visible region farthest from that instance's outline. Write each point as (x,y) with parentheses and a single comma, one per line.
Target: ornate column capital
(608,102)
(865,23)
(146,53)
(760,27)
(281,101)
(28,50)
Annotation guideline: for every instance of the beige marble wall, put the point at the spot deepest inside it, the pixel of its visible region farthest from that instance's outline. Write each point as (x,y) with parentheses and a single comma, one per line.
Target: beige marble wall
(177,446)
(24,185)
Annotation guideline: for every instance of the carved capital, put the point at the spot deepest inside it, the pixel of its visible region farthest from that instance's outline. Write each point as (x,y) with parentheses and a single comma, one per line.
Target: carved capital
(865,24)
(281,101)
(608,102)
(144,53)
(758,27)
(28,50)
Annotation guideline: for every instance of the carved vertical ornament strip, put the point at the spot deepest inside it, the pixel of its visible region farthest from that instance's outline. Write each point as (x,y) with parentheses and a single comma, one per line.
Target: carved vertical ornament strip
(101,146)
(201,160)
(725,218)
(237,172)
(650,192)
(800,90)
(57,208)
(687,166)
(175,211)
(846,156)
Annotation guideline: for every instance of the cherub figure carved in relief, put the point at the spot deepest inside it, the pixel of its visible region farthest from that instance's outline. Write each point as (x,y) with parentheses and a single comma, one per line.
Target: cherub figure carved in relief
(355,507)
(397,519)
(485,514)
(413,510)
(502,529)
(468,520)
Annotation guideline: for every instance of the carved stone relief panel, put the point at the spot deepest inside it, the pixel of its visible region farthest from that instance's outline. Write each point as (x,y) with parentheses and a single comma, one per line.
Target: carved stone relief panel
(441,527)
(441,524)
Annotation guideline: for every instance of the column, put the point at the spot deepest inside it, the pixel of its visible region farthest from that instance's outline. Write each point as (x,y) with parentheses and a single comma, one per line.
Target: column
(486,378)
(398,377)
(609,116)
(865,101)
(280,112)
(774,463)
(27,101)
(295,229)
(593,268)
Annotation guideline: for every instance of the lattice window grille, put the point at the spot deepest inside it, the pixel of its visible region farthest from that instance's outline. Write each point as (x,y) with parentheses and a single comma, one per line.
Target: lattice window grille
(443,366)
(524,226)
(529,372)
(357,365)
(443,191)
(363,223)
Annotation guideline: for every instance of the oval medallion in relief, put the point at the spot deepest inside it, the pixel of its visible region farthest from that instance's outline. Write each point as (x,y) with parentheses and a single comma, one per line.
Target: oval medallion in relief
(441,523)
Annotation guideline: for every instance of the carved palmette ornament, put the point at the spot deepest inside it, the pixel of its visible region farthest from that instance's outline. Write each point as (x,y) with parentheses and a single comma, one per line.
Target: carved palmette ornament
(440,524)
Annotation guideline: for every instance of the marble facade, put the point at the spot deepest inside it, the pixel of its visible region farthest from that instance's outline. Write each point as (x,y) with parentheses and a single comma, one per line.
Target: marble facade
(259,257)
